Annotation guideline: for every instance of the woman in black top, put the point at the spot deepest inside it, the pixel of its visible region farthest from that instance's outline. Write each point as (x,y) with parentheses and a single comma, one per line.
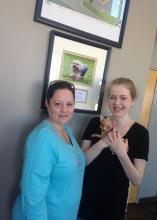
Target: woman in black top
(115,160)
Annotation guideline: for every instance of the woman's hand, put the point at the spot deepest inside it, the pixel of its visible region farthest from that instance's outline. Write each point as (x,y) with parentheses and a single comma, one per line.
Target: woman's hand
(102,143)
(117,144)
(91,152)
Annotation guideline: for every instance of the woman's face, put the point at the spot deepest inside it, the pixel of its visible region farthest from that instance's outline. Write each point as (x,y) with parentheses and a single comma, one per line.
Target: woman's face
(61,106)
(119,100)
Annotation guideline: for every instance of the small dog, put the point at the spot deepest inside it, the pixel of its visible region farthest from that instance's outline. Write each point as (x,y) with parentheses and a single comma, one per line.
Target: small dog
(78,70)
(106,126)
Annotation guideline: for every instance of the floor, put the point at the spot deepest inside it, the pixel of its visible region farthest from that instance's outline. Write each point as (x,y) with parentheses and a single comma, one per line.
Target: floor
(142,211)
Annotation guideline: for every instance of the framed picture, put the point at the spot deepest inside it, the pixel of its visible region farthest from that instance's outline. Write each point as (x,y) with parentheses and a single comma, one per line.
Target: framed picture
(81,62)
(99,20)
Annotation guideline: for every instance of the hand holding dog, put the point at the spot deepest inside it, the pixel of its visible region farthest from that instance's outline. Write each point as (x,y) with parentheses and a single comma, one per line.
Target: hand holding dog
(117,143)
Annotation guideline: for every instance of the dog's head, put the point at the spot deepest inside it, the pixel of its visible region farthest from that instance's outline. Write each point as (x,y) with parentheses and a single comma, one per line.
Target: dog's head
(76,65)
(106,124)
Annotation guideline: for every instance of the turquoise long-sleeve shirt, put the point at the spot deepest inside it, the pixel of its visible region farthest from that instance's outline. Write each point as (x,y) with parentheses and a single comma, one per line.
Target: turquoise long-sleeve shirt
(52,176)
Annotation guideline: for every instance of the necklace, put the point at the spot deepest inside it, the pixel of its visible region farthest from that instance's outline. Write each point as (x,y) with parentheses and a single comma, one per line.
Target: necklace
(63,134)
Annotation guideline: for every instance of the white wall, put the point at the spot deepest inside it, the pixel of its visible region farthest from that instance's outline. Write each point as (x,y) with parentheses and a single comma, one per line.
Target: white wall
(23,51)
(153,64)
(148,187)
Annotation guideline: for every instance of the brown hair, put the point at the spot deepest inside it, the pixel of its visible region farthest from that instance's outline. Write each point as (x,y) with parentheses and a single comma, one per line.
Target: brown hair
(59,84)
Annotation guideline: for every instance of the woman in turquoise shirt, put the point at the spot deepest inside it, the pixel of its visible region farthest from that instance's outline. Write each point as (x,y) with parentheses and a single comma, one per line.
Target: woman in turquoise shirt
(53,169)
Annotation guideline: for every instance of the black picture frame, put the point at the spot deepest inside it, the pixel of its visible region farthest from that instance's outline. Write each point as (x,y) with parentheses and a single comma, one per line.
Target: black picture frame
(109,18)
(65,49)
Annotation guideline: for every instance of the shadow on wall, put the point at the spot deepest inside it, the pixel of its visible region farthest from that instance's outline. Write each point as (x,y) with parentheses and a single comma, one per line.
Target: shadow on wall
(78,124)
(11,158)
(18,119)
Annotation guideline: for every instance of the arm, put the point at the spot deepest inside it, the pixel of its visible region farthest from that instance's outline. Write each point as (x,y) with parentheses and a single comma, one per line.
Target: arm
(134,171)
(38,164)
(92,152)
